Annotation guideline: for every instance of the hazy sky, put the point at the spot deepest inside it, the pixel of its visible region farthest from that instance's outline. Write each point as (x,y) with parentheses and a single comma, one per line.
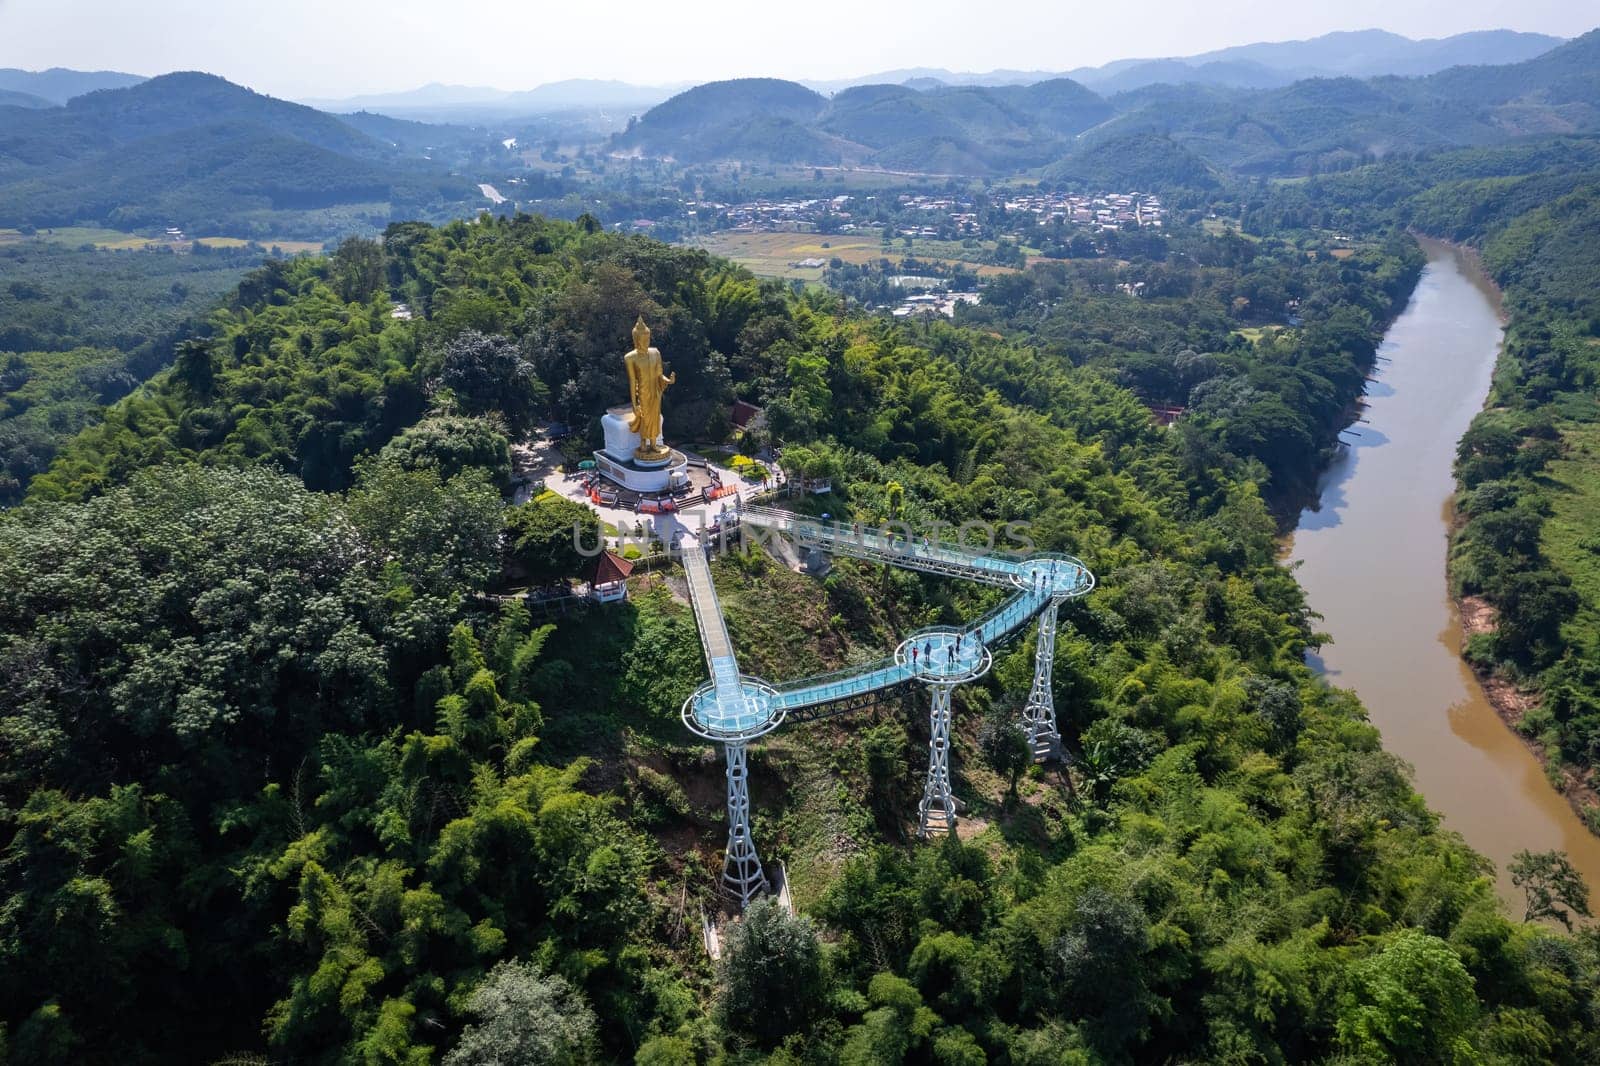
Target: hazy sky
(299,48)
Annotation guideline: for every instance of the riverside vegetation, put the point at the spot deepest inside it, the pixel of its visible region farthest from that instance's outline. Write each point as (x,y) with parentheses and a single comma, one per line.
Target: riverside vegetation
(276,786)
(1529,467)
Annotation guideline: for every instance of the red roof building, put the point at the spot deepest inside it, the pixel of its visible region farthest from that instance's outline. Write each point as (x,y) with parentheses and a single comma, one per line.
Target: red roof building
(610,581)
(746,415)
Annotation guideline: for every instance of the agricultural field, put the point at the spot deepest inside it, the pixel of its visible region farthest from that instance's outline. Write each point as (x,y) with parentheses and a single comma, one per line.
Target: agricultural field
(112,240)
(1255,333)
(773,255)
(1216,227)
(284,246)
(77,236)
(960,252)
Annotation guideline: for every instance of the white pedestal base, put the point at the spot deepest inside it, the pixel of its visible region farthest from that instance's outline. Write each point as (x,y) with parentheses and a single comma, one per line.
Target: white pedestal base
(638,478)
(619,464)
(621,442)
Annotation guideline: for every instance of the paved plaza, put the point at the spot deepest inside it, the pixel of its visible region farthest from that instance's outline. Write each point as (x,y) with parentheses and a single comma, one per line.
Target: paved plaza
(537,466)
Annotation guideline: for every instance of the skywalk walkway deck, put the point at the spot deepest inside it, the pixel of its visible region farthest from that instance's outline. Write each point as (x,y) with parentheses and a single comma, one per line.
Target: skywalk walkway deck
(860,542)
(707,610)
(1039,581)
(735,709)
(733,706)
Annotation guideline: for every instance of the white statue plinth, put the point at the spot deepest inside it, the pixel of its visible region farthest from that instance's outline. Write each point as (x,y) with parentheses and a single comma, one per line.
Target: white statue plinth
(621,442)
(617,462)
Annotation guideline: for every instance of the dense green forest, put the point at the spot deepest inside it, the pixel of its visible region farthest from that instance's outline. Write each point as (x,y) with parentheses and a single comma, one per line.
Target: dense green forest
(277,787)
(195,151)
(1265,344)
(1530,472)
(1529,467)
(81,328)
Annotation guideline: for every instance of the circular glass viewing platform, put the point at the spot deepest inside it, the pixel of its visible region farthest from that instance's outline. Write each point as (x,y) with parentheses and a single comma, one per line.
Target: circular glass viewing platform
(943,655)
(1059,576)
(753,711)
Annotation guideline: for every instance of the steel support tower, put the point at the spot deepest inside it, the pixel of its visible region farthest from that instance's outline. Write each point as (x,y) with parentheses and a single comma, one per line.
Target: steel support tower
(1039,715)
(741,866)
(733,709)
(941,657)
(938,807)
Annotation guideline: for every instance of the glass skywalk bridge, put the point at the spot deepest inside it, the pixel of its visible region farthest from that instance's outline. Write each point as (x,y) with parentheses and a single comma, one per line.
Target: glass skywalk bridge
(1040,581)
(733,708)
(881,546)
(823,695)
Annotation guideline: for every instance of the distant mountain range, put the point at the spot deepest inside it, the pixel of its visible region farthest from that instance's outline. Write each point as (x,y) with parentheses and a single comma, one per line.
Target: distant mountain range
(199,152)
(58,85)
(1359,53)
(1302,127)
(967,129)
(1327,123)
(1355,53)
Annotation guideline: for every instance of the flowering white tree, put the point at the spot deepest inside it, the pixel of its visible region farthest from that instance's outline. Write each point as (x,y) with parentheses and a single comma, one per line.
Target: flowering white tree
(525,1018)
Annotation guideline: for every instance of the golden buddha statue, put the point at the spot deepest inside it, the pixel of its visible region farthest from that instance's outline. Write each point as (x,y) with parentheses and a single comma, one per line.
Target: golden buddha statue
(646,383)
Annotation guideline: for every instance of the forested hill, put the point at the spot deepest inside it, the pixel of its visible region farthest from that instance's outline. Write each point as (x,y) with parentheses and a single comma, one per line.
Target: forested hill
(1330,123)
(973,129)
(58,84)
(80,329)
(15,98)
(1312,125)
(1352,53)
(278,786)
(201,153)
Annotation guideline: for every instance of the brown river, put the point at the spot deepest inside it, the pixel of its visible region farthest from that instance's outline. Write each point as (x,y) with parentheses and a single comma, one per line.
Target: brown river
(1372,561)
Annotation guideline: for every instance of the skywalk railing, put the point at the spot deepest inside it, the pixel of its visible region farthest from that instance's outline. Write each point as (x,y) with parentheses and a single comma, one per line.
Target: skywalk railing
(859,542)
(1033,590)
(714,642)
(843,684)
(1011,615)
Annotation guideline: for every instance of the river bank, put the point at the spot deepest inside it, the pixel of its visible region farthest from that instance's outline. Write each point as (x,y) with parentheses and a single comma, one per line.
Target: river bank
(1511,701)
(1372,557)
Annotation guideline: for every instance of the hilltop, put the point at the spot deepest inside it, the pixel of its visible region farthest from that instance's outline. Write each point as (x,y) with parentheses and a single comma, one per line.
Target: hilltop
(198,151)
(973,128)
(58,84)
(1304,126)
(743,118)
(1260,65)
